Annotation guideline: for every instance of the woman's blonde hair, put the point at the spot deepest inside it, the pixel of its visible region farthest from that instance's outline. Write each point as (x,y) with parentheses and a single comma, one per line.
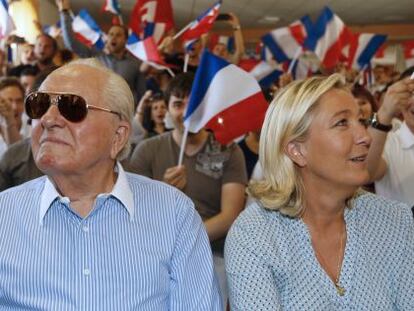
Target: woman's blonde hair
(288,119)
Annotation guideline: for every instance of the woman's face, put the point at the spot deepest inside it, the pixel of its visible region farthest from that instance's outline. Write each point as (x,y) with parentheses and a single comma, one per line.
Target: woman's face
(365,106)
(335,150)
(158,111)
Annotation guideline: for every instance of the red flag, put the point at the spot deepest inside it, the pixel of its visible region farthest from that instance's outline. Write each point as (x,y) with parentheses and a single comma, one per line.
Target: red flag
(408,49)
(409,52)
(152,18)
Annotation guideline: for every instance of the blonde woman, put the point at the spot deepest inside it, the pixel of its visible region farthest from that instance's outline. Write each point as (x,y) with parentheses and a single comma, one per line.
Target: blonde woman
(311,240)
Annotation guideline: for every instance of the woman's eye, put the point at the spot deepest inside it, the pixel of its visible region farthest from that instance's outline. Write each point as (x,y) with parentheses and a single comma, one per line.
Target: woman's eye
(342,122)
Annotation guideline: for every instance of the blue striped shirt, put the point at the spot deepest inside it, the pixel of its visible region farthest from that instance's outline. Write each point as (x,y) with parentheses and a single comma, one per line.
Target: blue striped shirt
(142,247)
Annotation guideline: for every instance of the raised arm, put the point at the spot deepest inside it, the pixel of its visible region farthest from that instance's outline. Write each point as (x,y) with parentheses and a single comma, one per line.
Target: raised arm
(238,39)
(68,36)
(396,98)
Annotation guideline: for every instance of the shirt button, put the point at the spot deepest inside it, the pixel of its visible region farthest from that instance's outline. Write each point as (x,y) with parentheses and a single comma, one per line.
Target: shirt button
(86,272)
(85,228)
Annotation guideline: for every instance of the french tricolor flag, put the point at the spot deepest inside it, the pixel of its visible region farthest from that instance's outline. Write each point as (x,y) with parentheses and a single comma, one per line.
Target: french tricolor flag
(265,73)
(328,37)
(285,42)
(53,30)
(6,22)
(225,99)
(87,30)
(112,6)
(201,25)
(146,50)
(363,47)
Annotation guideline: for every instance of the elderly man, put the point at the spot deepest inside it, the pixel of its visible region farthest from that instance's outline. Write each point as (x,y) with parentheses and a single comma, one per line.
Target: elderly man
(115,56)
(90,236)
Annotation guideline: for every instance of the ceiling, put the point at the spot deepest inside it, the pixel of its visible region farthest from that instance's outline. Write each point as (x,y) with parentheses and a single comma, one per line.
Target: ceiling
(253,13)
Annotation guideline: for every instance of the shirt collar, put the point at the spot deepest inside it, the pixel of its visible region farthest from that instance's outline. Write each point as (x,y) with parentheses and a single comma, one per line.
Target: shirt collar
(121,191)
(406,136)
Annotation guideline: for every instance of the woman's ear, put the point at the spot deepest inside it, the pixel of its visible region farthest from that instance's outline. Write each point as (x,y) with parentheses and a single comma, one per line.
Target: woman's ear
(294,151)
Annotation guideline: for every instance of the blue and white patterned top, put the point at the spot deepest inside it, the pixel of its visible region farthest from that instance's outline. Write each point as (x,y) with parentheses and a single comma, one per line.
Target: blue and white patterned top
(143,247)
(271,265)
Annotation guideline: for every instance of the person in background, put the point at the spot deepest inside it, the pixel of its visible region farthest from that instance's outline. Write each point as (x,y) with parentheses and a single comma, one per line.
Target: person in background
(221,49)
(88,235)
(3,63)
(212,175)
(250,147)
(17,164)
(114,56)
(44,51)
(365,100)
(151,112)
(310,240)
(11,110)
(391,157)
(27,56)
(27,78)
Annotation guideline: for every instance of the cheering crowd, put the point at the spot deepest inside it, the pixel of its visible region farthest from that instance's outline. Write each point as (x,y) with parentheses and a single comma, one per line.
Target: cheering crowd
(109,202)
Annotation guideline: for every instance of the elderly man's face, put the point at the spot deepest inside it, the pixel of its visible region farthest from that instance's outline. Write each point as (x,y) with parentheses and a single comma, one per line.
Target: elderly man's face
(63,147)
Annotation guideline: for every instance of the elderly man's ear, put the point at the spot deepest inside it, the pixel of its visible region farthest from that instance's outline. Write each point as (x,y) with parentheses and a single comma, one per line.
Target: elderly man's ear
(295,151)
(120,138)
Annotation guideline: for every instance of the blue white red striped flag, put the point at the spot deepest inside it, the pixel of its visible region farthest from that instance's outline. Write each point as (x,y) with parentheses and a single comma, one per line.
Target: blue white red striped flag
(53,30)
(283,43)
(230,109)
(112,6)
(363,47)
(147,51)
(328,37)
(87,30)
(6,22)
(265,73)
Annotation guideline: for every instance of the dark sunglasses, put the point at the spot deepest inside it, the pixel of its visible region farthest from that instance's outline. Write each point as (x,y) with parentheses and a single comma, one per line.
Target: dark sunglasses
(72,107)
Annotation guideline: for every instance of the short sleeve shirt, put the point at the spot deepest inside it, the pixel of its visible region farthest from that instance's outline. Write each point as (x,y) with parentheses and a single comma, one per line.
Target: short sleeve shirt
(213,166)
